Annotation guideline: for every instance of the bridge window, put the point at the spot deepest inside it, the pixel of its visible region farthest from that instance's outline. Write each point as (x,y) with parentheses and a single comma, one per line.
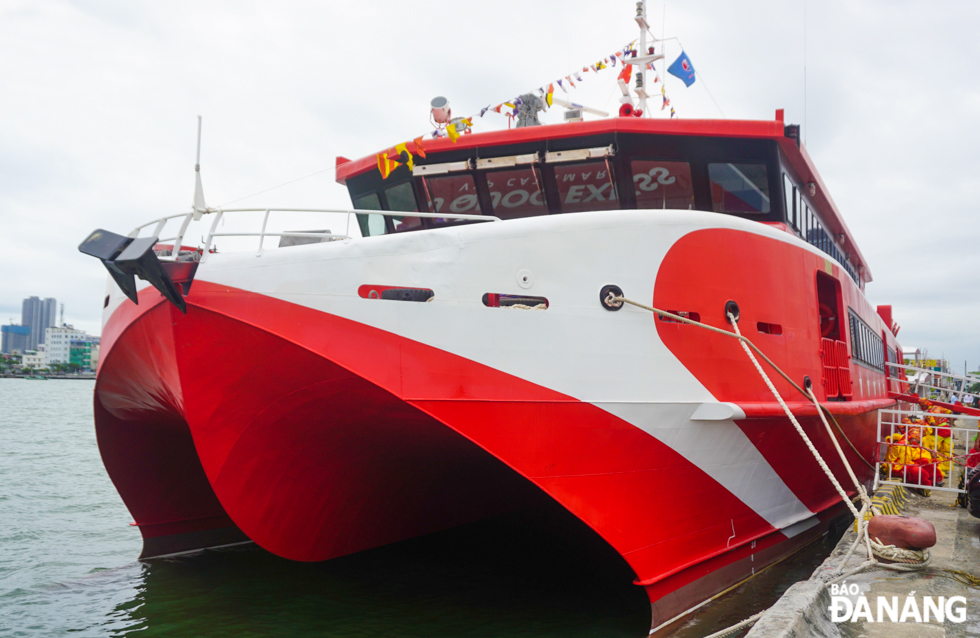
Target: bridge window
(739,188)
(587,186)
(402,197)
(660,184)
(451,194)
(516,193)
(371,225)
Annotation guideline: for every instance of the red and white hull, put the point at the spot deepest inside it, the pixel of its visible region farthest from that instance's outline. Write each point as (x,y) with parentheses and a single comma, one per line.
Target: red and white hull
(287,409)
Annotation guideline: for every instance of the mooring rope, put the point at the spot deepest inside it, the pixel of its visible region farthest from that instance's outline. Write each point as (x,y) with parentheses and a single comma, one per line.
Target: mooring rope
(820,407)
(906,559)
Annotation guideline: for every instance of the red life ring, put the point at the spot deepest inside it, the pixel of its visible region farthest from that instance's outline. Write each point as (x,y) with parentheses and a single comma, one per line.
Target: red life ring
(828,320)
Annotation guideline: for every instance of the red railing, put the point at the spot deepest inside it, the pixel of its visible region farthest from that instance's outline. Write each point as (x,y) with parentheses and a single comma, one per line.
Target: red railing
(836,369)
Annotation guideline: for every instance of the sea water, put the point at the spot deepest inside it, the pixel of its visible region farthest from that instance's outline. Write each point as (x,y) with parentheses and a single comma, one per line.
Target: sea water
(68,562)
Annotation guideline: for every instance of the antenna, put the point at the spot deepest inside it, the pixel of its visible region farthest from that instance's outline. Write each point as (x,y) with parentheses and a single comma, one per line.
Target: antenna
(641,80)
(645,58)
(199,206)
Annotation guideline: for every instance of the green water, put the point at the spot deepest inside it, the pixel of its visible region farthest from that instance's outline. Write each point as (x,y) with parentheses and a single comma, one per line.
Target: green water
(67,561)
(68,568)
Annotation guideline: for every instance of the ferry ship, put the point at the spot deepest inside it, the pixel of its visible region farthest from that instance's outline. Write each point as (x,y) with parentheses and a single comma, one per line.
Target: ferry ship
(457,354)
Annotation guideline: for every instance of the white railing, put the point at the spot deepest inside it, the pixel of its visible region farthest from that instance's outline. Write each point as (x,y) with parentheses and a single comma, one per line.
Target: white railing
(219,213)
(895,458)
(942,382)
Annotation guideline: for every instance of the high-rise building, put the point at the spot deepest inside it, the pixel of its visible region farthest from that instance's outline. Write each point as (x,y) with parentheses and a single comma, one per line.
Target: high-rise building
(14,338)
(38,315)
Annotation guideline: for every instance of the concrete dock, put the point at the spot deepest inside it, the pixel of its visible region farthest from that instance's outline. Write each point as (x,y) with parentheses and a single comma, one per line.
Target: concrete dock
(807,609)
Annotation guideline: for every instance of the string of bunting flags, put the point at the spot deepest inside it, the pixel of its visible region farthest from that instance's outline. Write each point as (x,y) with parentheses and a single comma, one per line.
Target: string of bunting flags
(403,154)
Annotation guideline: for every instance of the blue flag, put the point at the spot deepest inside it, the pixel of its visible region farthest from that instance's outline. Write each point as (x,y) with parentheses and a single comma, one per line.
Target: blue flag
(683,69)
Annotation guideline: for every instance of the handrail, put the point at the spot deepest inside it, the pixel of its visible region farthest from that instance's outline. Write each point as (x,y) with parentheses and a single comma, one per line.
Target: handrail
(285,234)
(936,376)
(160,223)
(265,221)
(950,375)
(219,214)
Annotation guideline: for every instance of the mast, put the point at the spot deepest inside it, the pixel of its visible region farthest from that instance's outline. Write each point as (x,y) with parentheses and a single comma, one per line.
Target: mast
(644,57)
(199,206)
(641,85)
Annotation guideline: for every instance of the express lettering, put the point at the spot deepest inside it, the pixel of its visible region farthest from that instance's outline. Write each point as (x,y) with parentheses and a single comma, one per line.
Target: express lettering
(570,177)
(575,193)
(654,179)
(515,198)
(463,203)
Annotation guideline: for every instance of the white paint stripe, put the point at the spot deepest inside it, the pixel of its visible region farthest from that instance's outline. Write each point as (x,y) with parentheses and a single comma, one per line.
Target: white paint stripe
(723,452)
(614,360)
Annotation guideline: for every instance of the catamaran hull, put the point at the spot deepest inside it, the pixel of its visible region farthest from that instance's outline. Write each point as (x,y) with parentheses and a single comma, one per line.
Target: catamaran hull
(288,409)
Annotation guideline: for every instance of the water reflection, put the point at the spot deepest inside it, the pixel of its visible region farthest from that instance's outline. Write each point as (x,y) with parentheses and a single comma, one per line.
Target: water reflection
(519,575)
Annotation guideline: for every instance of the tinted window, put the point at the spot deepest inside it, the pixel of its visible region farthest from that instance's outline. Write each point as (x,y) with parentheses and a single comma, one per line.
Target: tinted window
(739,188)
(371,201)
(402,197)
(662,184)
(588,186)
(790,198)
(452,194)
(371,225)
(515,193)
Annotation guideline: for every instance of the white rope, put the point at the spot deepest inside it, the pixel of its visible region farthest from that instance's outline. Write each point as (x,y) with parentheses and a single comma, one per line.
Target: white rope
(833,438)
(796,424)
(748,622)
(907,560)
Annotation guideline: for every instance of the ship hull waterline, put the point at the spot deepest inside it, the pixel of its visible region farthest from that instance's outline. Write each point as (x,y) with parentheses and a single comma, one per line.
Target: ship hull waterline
(317,435)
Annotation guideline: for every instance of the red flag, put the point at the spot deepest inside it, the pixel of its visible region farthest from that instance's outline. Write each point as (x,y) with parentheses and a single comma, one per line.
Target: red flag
(386,164)
(418,146)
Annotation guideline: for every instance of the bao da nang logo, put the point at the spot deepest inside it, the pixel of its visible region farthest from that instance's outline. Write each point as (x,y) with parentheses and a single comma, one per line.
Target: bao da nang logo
(893,608)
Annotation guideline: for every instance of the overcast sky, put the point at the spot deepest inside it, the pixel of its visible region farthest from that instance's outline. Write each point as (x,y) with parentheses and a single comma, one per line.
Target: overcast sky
(98,106)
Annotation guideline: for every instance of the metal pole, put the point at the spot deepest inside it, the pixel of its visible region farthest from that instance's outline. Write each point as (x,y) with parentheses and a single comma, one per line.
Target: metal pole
(877,455)
(643,51)
(197,162)
(265,220)
(207,243)
(180,235)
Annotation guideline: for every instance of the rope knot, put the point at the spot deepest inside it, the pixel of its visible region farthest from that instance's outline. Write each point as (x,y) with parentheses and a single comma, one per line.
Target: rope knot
(613,300)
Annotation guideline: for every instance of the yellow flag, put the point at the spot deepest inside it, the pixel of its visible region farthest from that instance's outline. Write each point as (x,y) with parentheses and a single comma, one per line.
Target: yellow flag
(403,147)
(451,132)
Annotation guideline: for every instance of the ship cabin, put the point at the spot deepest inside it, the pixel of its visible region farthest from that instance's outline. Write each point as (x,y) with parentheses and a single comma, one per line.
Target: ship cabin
(757,170)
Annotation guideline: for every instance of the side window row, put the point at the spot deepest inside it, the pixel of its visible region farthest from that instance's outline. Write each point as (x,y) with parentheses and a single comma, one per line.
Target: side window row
(866,345)
(804,220)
